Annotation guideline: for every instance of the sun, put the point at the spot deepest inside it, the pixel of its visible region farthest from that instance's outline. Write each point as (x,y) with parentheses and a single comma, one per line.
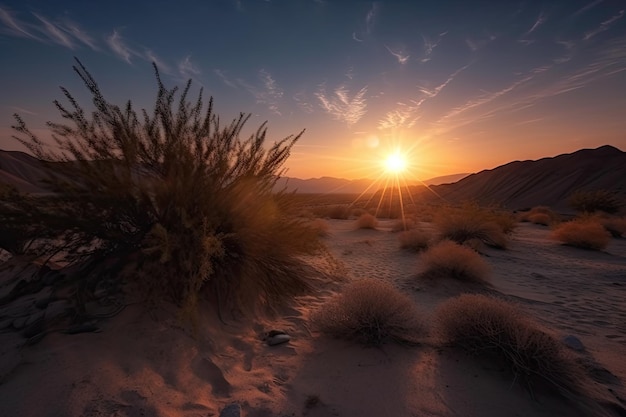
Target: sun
(395,163)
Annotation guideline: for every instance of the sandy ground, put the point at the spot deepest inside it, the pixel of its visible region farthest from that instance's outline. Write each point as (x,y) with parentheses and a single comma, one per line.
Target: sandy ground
(148,364)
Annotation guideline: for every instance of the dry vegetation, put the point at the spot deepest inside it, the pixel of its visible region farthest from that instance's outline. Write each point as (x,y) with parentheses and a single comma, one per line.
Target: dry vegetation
(402,225)
(415,240)
(371,312)
(540,215)
(178,202)
(616,226)
(586,233)
(596,201)
(366,221)
(471,223)
(492,328)
(448,259)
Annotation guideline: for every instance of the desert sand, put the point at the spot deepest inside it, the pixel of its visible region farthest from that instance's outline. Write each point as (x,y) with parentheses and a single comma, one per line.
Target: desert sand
(149,363)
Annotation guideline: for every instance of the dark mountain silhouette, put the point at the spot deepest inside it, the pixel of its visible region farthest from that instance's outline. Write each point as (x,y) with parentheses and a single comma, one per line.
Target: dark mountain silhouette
(516,185)
(547,181)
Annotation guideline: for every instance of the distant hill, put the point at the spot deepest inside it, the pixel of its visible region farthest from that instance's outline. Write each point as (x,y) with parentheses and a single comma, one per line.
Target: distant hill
(516,185)
(331,185)
(547,181)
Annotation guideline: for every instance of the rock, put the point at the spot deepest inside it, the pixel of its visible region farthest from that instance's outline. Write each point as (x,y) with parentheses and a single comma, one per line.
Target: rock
(56,309)
(34,327)
(34,317)
(51,277)
(20,322)
(6,323)
(10,356)
(21,307)
(573,343)
(231,410)
(43,298)
(278,339)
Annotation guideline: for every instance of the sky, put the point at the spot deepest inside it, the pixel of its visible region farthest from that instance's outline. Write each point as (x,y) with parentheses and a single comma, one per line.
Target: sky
(453,86)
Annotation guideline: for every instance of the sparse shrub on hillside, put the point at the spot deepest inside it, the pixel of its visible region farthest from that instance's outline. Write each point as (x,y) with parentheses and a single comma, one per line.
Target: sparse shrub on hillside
(492,328)
(366,221)
(595,201)
(371,312)
(471,223)
(321,226)
(172,197)
(415,240)
(582,233)
(448,259)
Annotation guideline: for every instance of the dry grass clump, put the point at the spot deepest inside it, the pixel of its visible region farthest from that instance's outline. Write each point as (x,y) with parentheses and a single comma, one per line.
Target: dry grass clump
(320,226)
(371,312)
(582,233)
(492,328)
(470,224)
(596,201)
(338,212)
(415,240)
(616,226)
(366,221)
(449,259)
(402,225)
(540,215)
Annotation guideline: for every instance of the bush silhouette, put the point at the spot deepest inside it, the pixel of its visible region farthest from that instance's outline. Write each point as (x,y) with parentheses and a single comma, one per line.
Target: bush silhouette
(371,312)
(172,197)
(595,201)
(366,221)
(471,223)
(540,215)
(415,240)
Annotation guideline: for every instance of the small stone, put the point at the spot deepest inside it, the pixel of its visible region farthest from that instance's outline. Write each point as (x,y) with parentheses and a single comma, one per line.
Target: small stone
(231,410)
(278,339)
(573,343)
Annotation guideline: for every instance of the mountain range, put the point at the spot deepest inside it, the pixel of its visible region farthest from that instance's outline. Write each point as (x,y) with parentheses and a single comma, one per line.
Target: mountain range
(519,184)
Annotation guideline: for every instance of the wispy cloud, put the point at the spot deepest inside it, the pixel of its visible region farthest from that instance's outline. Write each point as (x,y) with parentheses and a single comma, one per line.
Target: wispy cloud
(119,47)
(271,92)
(356,38)
(540,21)
(400,55)
(587,7)
(14,26)
(341,106)
(402,117)
(432,93)
(604,26)
(430,45)
(370,18)
(81,35)
(222,76)
(301,100)
(55,33)
(150,56)
(188,69)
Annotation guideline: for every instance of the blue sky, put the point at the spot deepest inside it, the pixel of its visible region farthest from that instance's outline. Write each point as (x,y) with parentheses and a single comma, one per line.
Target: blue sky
(456,86)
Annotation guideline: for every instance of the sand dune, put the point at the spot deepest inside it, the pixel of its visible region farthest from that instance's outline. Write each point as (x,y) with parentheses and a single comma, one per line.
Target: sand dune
(148,363)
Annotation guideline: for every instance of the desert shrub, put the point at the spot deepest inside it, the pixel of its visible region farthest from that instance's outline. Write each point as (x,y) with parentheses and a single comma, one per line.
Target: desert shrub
(173,198)
(582,233)
(366,221)
(371,312)
(491,327)
(448,259)
(595,201)
(472,223)
(339,212)
(539,215)
(402,225)
(358,212)
(415,240)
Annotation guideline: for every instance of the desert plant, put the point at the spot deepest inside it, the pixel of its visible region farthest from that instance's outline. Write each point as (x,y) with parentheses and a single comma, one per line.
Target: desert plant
(415,240)
(472,223)
(616,226)
(339,212)
(595,201)
(371,312)
(539,215)
(179,202)
(366,221)
(586,233)
(402,225)
(491,327)
(321,226)
(448,259)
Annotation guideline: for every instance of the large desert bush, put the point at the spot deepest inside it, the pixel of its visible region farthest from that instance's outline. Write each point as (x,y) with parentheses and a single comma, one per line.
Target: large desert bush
(616,226)
(371,312)
(586,233)
(592,201)
(366,221)
(415,240)
(448,259)
(338,212)
(492,328)
(471,223)
(172,197)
